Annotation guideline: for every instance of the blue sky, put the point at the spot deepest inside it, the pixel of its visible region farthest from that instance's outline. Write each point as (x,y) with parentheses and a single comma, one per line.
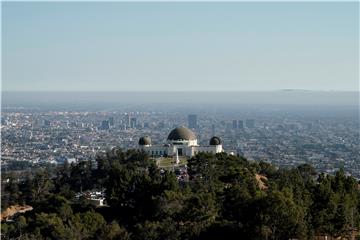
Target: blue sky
(238,46)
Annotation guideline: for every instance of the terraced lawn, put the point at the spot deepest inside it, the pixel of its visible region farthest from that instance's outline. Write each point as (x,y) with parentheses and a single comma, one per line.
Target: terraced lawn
(169,162)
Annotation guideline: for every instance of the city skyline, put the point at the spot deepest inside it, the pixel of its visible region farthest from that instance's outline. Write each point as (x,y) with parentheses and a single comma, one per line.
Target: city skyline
(237,46)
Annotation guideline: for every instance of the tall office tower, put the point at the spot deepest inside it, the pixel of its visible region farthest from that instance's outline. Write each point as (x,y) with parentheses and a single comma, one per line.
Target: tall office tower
(37,123)
(111,121)
(127,120)
(250,123)
(234,124)
(105,125)
(192,121)
(133,122)
(241,124)
(3,121)
(213,130)
(46,123)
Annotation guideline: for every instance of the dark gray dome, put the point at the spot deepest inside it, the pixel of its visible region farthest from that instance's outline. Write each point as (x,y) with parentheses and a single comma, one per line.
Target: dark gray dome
(146,140)
(115,151)
(181,133)
(215,141)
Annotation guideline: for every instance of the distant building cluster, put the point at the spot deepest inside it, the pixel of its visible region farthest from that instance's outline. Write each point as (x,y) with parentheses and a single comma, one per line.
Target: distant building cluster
(239,124)
(48,136)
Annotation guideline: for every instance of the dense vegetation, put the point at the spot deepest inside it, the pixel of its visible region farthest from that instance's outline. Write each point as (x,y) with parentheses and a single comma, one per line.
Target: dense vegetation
(222,200)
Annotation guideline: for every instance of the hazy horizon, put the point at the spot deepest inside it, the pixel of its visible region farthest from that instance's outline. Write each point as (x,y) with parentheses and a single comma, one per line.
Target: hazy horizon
(284,97)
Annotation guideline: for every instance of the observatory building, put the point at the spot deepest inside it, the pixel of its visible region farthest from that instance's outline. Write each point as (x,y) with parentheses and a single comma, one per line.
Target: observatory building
(180,142)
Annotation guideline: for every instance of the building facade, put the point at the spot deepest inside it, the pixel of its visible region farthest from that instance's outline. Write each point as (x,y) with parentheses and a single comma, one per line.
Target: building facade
(180,142)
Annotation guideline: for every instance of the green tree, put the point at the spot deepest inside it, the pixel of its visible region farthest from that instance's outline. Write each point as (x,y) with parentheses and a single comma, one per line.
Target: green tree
(10,191)
(40,187)
(50,226)
(282,216)
(81,176)
(156,230)
(113,231)
(200,210)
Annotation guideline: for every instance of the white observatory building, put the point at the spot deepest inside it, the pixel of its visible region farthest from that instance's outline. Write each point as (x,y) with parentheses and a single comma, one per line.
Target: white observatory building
(180,142)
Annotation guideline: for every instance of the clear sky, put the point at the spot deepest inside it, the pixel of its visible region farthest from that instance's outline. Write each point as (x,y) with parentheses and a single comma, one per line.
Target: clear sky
(238,46)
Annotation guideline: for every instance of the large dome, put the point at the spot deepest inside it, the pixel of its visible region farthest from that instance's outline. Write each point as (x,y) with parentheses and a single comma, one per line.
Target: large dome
(215,141)
(146,140)
(181,133)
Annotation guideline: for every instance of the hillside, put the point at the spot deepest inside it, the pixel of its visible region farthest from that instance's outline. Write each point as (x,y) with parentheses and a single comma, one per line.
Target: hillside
(215,196)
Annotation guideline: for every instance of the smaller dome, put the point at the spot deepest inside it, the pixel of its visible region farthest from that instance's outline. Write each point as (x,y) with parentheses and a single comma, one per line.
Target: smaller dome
(115,151)
(215,141)
(146,140)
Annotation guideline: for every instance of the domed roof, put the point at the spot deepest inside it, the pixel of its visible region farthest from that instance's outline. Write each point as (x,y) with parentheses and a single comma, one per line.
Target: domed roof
(115,151)
(215,141)
(146,140)
(181,133)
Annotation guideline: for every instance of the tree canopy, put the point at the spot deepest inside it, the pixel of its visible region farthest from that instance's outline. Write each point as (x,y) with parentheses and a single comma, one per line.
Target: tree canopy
(221,199)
